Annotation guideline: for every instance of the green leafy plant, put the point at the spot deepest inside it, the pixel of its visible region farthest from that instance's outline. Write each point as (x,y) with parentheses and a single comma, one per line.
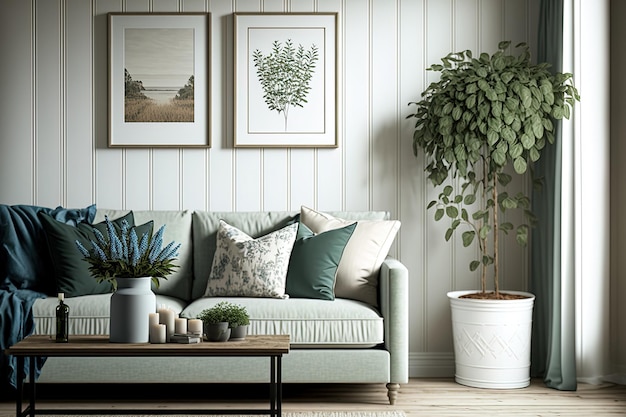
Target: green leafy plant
(123,254)
(482,116)
(285,75)
(225,311)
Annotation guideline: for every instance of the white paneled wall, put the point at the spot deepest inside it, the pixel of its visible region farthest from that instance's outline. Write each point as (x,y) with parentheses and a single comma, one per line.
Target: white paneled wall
(53,129)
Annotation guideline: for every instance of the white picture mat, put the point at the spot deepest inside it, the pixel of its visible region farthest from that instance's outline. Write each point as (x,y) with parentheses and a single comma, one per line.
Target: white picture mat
(168,134)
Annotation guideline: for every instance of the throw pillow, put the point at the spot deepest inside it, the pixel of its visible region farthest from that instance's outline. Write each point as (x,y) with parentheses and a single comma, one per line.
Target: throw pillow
(244,266)
(314,261)
(357,274)
(23,251)
(71,270)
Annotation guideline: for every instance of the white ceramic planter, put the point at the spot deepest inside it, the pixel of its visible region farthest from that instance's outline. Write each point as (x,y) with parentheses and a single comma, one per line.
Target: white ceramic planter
(131,305)
(492,340)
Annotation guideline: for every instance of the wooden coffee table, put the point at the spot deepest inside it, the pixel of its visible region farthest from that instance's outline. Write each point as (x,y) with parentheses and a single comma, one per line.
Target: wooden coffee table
(32,347)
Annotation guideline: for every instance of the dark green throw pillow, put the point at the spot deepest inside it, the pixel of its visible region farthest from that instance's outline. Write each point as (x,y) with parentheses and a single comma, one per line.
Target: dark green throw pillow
(314,260)
(71,270)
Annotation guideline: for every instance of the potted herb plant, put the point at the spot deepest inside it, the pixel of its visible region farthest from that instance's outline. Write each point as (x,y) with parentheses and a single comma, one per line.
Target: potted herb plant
(483,117)
(130,263)
(225,321)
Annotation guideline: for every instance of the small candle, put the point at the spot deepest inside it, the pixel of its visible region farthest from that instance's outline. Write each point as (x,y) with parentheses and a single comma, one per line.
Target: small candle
(181,326)
(157,333)
(153,318)
(166,317)
(194,326)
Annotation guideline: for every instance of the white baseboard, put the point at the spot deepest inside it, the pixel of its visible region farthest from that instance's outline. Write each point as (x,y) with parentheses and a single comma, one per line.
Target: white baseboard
(431,365)
(441,365)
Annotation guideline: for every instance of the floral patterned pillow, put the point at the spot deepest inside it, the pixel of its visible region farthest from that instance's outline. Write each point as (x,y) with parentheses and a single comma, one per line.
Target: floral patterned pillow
(248,267)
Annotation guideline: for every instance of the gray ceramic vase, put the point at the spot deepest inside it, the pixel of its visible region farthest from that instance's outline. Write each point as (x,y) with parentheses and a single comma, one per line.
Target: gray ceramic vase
(131,305)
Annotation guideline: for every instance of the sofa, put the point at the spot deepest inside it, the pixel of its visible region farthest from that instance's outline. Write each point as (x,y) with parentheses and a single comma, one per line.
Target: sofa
(350,327)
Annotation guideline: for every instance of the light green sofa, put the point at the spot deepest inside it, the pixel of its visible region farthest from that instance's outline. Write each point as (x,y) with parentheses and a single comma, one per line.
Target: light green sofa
(339,341)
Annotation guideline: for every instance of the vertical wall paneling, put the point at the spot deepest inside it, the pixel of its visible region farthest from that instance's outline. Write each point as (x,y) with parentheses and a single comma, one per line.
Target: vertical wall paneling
(78,107)
(17,128)
(54,129)
(109,169)
(440,259)
(221,190)
(48,111)
(330,167)
(356,103)
(384,114)
(412,240)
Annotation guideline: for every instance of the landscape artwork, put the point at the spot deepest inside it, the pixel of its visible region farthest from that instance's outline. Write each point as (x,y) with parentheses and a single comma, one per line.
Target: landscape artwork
(159,80)
(158,75)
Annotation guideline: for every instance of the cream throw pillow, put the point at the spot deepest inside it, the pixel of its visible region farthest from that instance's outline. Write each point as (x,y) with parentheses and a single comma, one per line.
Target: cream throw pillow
(247,267)
(357,274)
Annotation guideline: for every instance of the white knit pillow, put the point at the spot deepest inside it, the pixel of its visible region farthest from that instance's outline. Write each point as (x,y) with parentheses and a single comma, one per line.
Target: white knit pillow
(243,266)
(357,274)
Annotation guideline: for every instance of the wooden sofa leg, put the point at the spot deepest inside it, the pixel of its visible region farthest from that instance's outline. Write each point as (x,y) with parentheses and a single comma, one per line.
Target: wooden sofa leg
(392,392)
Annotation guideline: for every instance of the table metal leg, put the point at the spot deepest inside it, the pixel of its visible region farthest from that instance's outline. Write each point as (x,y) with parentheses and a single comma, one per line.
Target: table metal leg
(32,384)
(20,386)
(279,373)
(273,390)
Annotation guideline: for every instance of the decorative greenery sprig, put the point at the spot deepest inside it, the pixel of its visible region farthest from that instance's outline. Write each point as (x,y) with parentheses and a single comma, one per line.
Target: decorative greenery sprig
(125,255)
(482,115)
(285,75)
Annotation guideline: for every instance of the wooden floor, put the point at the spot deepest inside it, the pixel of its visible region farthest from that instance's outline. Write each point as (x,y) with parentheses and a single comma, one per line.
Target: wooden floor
(421,397)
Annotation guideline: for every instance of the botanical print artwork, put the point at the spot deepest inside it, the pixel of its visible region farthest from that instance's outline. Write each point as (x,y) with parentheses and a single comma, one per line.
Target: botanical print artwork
(285,75)
(285,85)
(158,75)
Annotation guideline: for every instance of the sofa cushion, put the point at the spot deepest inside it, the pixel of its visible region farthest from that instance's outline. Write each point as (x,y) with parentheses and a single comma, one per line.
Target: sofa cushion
(357,274)
(177,229)
(244,266)
(314,323)
(205,226)
(71,269)
(89,314)
(314,261)
(24,258)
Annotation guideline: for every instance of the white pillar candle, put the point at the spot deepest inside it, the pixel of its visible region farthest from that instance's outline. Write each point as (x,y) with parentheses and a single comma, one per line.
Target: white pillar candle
(181,326)
(194,326)
(166,317)
(157,333)
(153,318)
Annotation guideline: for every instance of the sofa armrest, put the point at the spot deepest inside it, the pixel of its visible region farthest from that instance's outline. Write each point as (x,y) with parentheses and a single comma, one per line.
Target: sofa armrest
(394,306)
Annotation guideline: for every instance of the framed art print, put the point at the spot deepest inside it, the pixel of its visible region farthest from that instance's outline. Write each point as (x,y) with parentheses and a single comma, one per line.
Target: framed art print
(285,81)
(159,80)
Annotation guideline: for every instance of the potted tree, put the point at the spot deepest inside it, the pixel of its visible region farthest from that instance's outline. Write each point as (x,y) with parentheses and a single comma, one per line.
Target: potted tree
(483,117)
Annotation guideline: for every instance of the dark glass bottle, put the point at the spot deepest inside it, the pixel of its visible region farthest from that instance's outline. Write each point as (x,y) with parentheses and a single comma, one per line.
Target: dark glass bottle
(63,316)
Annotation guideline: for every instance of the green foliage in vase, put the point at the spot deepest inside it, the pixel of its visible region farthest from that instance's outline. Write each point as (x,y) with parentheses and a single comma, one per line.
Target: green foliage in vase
(123,254)
(285,75)
(482,116)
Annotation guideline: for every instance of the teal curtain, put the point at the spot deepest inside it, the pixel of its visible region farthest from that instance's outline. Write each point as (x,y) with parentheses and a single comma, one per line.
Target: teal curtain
(553,348)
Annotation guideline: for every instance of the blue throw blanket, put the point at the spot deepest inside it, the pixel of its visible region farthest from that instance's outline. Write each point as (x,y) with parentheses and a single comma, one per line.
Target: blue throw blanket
(25,275)
(17,322)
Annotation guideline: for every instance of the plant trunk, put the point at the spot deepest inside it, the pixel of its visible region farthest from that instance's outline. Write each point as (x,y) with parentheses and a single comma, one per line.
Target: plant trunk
(496,286)
(483,240)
